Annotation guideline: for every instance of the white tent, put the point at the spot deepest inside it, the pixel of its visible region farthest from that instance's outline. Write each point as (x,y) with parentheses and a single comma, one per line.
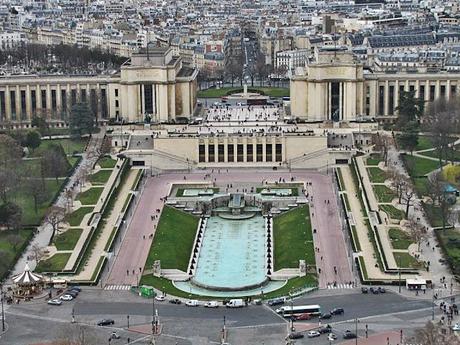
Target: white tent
(27,277)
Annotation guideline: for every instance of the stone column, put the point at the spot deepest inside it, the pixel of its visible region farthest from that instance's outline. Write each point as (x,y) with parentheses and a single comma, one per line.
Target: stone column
(264,149)
(427,91)
(396,96)
(48,102)
(448,89)
(245,150)
(273,149)
(18,104)
(7,103)
(437,89)
(28,103)
(386,98)
(206,152)
(226,149)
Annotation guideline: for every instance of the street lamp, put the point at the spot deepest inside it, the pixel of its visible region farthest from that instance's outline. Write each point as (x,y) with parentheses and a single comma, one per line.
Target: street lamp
(127,318)
(356,331)
(2,296)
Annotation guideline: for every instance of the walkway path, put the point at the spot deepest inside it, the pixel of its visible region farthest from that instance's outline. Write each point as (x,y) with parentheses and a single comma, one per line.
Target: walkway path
(44,231)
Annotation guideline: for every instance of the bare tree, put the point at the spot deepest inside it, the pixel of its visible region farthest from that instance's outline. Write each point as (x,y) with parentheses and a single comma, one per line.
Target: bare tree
(68,196)
(15,240)
(382,144)
(417,231)
(440,197)
(10,157)
(37,253)
(408,196)
(398,182)
(37,189)
(54,162)
(433,334)
(54,217)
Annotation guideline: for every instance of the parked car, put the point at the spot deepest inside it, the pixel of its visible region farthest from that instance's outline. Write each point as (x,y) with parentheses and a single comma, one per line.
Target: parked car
(114,335)
(295,335)
(456,327)
(106,322)
(349,335)
(257,302)
(364,290)
(55,301)
(75,288)
(313,334)
(331,337)
(325,316)
(175,301)
(211,304)
(191,303)
(374,290)
(337,311)
(160,298)
(275,301)
(74,294)
(382,290)
(325,329)
(235,303)
(66,297)
(304,316)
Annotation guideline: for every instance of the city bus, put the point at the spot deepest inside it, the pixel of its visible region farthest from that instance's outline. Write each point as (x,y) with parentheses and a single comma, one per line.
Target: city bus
(288,311)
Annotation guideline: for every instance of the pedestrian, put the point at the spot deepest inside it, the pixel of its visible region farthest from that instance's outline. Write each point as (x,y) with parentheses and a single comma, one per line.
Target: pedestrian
(134,272)
(127,272)
(321,258)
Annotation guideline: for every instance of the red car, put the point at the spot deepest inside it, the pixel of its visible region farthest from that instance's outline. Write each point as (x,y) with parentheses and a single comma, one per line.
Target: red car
(304,316)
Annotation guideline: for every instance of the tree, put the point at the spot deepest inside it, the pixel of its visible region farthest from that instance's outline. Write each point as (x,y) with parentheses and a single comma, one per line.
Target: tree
(37,189)
(442,121)
(54,162)
(410,108)
(382,144)
(33,139)
(261,68)
(40,123)
(54,217)
(15,240)
(37,253)
(439,197)
(433,334)
(10,157)
(10,215)
(408,139)
(408,195)
(398,182)
(81,120)
(417,231)
(235,70)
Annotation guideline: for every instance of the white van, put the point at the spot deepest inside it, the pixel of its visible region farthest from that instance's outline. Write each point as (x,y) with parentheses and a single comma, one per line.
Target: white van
(235,303)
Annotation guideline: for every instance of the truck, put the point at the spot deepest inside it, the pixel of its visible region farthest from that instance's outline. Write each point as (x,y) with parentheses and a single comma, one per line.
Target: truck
(235,303)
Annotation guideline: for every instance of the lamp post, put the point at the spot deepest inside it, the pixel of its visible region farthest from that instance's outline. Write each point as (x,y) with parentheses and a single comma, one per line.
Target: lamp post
(356,331)
(127,319)
(292,310)
(399,275)
(432,307)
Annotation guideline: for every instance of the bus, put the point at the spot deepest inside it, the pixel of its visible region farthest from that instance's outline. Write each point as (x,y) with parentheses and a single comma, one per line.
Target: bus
(288,311)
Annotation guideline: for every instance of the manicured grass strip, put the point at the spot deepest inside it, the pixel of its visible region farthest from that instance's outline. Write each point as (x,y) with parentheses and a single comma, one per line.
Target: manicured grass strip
(420,185)
(109,241)
(399,238)
(75,218)
(405,260)
(180,191)
(342,184)
(347,202)
(224,91)
(293,238)
(451,154)
(128,197)
(56,263)
(372,239)
(13,243)
(173,241)
(362,266)
(374,159)
(355,238)
(434,215)
(70,146)
(293,285)
(294,191)
(392,212)
(107,163)
(417,166)
(101,177)
(449,240)
(98,267)
(91,196)
(67,240)
(376,175)
(383,193)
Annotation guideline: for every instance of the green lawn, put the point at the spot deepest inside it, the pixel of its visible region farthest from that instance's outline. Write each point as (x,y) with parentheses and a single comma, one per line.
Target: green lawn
(101,177)
(374,159)
(293,238)
(362,267)
(107,163)
(424,143)
(376,175)
(26,201)
(356,239)
(70,146)
(420,185)
(347,203)
(342,184)
(91,196)
(405,260)
(392,212)
(75,218)
(12,251)
(399,238)
(68,239)
(434,215)
(383,193)
(418,166)
(450,244)
(451,155)
(225,91)
(174,238)
(56,263)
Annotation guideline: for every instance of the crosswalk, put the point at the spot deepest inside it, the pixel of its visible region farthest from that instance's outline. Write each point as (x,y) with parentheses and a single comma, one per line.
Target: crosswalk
(340,286)
(117,287)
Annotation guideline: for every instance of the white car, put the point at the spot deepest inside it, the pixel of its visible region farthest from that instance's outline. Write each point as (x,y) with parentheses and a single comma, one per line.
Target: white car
(313,334)
(160,298)
(331,337)
(192,303)
(54,301)
(66,298)
(211,304)
(456,327)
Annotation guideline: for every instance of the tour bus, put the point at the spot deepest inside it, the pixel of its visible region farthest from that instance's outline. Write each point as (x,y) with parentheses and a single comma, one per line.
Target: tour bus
(288,311)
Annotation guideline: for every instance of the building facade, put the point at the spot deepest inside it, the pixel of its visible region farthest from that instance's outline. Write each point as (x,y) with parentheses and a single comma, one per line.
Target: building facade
(337,88)
(153,83)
